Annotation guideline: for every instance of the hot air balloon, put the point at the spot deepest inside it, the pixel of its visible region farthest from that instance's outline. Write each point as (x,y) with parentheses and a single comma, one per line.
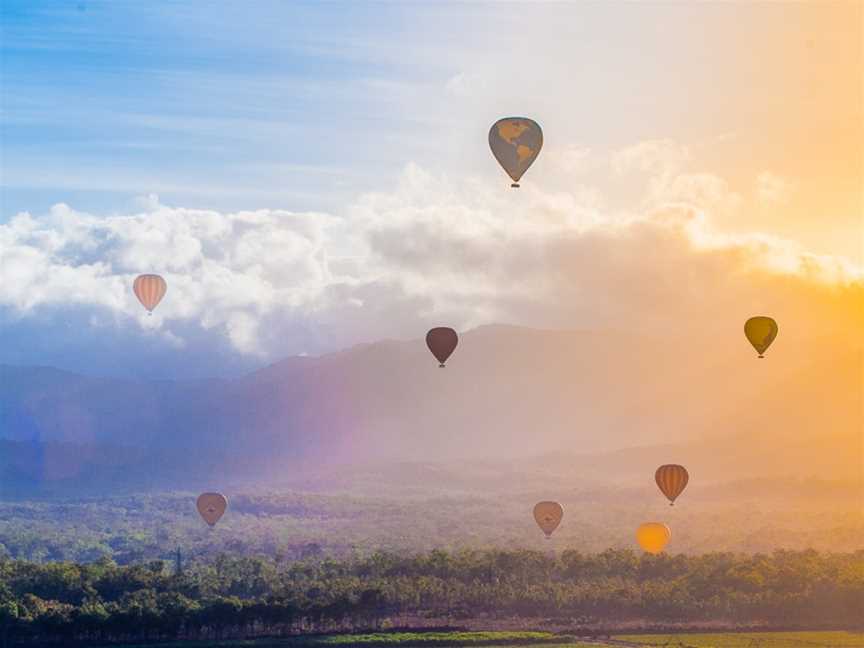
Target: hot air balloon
(761,331)
(672,480)
(515,143)
(441,342)
(548,516)
(149,289)
(212,506)
(653,536)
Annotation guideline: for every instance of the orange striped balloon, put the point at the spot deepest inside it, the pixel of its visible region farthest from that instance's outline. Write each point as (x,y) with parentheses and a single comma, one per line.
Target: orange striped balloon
(149,289)
(672,479)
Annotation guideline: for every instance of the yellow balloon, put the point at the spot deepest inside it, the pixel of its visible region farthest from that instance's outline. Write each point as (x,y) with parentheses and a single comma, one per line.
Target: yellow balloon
(760,332)
(653,536)
(548,516)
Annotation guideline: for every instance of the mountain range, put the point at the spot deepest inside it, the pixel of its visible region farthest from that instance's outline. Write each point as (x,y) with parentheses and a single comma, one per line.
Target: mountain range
(587,405)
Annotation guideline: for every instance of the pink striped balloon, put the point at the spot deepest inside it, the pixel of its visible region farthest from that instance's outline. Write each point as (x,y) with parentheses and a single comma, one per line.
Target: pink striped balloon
(149,289)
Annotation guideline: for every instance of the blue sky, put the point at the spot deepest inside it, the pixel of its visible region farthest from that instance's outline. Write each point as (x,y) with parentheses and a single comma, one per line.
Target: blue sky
(141,136)
(303,105)
(210,103)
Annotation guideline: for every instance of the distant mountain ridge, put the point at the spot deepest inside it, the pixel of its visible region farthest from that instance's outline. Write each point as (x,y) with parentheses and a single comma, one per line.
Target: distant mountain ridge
(507,393)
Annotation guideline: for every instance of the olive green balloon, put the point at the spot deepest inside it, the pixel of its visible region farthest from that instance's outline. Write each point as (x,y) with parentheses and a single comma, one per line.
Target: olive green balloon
(761,331)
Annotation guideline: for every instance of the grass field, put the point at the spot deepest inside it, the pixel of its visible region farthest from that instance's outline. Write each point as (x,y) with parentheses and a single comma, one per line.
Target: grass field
(752,640)
(546,639)
(386,639)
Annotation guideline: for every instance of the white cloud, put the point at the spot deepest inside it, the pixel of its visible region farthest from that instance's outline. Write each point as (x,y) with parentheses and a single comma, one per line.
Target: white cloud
(772,189)
(658,157)
(271,282)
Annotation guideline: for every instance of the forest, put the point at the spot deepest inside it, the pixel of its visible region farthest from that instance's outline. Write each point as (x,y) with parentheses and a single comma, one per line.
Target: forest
(750,517)
(229,597)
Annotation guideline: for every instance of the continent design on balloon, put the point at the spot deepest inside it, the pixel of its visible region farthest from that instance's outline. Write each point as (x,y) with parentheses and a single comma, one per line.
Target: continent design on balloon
(515,143)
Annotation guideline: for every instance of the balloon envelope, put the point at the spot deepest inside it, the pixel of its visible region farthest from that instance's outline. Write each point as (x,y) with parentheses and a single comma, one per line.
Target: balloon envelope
(548,516)
(672,479)
(212,506)
(515,143)
(761,331)
(149,289)
(441,342)
(653,536)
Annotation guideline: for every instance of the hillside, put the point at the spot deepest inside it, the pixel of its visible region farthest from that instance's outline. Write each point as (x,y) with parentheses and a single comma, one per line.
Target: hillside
(571,400)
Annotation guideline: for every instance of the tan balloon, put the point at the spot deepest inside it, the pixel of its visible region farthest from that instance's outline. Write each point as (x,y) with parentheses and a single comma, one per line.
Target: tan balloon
(653,536)
(212,506)
(548,516)
(149,289)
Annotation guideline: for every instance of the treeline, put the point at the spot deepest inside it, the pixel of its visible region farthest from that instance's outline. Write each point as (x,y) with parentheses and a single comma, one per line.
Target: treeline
(246,597)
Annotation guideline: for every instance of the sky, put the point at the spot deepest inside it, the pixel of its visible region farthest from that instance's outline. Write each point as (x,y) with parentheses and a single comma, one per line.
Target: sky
(312,176)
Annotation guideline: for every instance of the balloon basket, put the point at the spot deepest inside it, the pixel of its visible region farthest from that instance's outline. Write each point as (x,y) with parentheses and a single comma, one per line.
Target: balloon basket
(515,185)
(441,366)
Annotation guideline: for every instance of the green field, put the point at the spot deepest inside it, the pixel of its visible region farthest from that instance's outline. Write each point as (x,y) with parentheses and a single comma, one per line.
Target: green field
(375,640)
(546,639)
(752,640)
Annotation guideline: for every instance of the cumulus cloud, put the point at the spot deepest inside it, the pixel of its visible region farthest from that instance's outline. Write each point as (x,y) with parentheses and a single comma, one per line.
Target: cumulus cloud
(772,189)
(271,282)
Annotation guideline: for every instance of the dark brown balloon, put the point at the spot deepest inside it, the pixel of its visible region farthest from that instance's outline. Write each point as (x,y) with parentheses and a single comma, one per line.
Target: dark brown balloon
(441,342)
(672,479)
(212,506)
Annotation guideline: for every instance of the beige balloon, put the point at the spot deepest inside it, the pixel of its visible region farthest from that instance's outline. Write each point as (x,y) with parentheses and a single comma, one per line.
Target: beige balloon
(548,516)
(212,506)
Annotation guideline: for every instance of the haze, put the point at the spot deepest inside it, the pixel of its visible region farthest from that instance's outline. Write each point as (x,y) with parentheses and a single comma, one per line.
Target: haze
(315,185)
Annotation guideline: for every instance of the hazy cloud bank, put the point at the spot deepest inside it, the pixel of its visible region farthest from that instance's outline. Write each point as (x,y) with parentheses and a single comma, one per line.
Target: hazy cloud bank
(247,287)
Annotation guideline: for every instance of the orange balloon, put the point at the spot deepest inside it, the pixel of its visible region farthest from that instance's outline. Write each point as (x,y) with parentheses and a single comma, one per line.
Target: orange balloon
(653,536)
(671,479)
(149,289)
(548,516)
(212,506)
